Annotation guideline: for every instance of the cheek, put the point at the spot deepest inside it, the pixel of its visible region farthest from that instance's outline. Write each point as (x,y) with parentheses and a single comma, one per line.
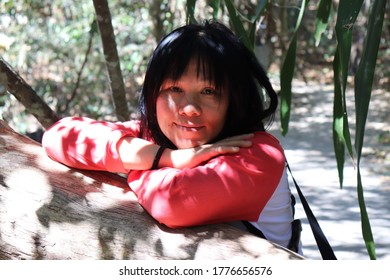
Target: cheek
(165,103)
(160,111)
(165,108)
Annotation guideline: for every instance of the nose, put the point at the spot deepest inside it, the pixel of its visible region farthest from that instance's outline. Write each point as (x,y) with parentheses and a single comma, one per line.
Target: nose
(190,106)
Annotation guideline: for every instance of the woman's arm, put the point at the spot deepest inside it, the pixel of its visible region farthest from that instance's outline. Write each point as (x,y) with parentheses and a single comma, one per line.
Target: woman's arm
(88,144)
(97,145)
(139,154)
(226,188)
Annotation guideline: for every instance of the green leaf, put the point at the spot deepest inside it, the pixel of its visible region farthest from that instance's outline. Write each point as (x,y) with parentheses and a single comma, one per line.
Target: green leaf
(338,121)
(238,26)
(191,11)
(365,72)
(215,4)
(287,74)
(363,86)
(300,15)
(261,4)
(259,11)
(366,228)
(322,18)
(346,17)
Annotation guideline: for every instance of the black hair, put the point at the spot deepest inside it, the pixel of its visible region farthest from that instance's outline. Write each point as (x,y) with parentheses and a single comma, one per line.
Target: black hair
(226,62)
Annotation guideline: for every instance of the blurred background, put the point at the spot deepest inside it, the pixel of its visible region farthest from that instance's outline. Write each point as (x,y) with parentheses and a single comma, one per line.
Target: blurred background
(55,46)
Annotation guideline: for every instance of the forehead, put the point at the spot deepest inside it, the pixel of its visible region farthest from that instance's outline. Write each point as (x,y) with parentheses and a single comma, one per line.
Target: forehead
(209,53)
(199,67)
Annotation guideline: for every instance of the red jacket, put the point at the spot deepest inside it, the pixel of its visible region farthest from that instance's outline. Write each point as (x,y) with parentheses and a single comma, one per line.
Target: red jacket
(226,188)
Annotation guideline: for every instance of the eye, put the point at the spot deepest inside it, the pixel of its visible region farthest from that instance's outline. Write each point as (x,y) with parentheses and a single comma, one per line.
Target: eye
(209,91)
(175,89)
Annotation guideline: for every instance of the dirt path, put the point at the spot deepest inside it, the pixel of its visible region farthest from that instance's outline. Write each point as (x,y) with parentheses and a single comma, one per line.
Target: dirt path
(309,150)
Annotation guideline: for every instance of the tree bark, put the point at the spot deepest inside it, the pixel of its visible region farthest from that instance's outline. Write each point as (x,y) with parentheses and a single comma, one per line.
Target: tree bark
(103,17)
(49,211)
(26,95)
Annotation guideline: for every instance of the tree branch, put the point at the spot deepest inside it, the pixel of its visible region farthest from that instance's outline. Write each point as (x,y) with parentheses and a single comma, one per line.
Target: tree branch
(27,96)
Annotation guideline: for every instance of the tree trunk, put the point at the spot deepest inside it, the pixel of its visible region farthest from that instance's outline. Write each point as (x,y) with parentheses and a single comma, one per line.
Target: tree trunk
(49,211)
(103,17)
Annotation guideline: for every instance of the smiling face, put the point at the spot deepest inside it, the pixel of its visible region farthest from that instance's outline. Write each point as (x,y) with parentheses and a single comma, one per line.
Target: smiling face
(191,111)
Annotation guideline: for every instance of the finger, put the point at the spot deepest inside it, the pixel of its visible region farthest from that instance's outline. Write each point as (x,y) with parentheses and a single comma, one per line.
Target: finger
(219,150)
(235,142)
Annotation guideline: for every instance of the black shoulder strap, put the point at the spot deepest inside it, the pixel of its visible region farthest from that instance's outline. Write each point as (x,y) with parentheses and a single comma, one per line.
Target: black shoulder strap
(254,230)
(322,243)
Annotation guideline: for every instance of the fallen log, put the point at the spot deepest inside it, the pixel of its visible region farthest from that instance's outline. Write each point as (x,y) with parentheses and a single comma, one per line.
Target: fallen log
(49,211)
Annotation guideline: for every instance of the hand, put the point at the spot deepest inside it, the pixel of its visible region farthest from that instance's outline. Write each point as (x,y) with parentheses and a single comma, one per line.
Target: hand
(194,156)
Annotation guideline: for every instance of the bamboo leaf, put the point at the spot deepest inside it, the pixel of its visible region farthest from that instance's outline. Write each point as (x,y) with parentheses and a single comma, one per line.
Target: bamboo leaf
(365,73)
(286,76)
(366,228)
(259,11)
(287,73)
(300,15)
(346,17)
(363,86)
(191,11)
(347,135)
(322,18)
(238,26)
(338,121)
(261,4)
(215,4)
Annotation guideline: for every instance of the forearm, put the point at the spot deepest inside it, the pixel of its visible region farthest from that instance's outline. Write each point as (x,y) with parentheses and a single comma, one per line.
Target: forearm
(139,154)
(136,153)
(87,144)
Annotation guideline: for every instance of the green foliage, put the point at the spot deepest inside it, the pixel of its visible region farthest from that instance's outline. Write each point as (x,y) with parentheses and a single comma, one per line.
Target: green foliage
(363,86)
(50,45)
(238,26)
(323,14)
(347,14)
(191,11)
(287,74)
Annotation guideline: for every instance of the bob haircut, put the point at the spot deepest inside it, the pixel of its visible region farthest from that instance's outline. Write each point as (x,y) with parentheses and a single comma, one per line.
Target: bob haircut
(224,61)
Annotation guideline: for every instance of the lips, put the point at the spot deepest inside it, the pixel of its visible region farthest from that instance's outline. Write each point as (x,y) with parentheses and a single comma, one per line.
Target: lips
(187,127)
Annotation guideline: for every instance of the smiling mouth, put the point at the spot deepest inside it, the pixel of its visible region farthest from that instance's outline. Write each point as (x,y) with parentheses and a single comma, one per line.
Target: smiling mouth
(189,127)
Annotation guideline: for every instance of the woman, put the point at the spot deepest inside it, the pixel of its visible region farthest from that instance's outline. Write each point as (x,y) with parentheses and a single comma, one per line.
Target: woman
(199,153)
